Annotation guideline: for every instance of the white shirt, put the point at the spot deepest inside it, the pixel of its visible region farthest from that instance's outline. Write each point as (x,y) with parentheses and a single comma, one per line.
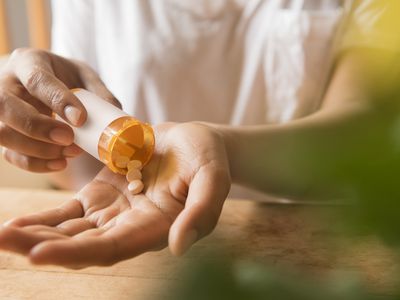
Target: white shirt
(223,61)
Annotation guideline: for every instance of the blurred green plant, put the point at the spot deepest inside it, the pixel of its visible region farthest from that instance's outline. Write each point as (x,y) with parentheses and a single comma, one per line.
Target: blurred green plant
(363,168)
(221,280)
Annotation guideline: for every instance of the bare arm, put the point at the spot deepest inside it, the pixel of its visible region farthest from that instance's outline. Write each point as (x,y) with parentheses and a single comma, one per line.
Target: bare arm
(322,156)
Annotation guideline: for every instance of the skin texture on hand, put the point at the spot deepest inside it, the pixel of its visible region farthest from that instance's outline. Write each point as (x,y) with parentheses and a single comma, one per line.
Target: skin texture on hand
(186,184)
(33,84)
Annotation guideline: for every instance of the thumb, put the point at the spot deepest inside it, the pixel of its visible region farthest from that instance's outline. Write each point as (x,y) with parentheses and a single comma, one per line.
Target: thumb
(207,193)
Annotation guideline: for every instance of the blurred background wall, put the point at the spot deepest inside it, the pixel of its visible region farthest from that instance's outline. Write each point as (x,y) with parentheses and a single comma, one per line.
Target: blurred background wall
(17,23)
(23,23)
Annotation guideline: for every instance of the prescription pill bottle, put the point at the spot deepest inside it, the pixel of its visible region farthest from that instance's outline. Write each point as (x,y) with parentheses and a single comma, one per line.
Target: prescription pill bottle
(109,133)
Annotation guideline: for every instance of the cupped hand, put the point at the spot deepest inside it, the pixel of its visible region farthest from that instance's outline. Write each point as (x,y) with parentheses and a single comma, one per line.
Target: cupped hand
(33,84)
(186,184)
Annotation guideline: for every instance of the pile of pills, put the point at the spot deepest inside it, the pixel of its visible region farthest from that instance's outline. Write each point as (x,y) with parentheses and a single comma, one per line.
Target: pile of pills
(134,174)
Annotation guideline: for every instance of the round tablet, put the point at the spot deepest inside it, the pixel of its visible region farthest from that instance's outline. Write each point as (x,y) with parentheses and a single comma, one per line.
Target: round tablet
(135,186)
(122,161)
(134,164)
(133,174)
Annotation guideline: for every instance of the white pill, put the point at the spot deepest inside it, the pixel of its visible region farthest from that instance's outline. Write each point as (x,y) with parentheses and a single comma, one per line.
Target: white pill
(135,186)
(133,174)
(121,161)
(134,164)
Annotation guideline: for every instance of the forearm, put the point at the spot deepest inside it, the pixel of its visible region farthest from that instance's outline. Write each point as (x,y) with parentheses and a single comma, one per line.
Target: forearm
(324,155)
(318,157)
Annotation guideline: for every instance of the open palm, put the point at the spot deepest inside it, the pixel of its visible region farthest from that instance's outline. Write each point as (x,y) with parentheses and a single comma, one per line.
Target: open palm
(186,184)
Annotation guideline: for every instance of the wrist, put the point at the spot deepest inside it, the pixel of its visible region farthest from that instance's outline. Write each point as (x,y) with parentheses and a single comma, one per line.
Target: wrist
(229,138)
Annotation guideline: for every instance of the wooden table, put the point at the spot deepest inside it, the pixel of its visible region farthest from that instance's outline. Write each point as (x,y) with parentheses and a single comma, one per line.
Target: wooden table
(277,234)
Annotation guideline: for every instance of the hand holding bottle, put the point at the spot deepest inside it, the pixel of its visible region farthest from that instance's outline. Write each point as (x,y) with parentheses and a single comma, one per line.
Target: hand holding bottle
(33,84)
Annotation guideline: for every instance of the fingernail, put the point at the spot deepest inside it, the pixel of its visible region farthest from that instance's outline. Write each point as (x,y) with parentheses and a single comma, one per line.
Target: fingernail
(72,150)
(73,114)
(62,136)
(56,165)
(188,241)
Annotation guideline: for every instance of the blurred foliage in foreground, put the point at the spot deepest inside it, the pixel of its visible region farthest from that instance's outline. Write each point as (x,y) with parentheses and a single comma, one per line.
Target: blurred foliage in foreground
(368,171)
(250,281)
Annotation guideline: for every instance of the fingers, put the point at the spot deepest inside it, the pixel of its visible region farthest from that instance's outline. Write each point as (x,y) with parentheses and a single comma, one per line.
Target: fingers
(90,233)
(15,88)
(33,164)
(13,140)
(24,118)
(21,241)
(75,253)
(207,193)
(34,70)
(32,138)
(70,227)
(75,226)
(76,243)
(143,231)
(95,248)
(69,210)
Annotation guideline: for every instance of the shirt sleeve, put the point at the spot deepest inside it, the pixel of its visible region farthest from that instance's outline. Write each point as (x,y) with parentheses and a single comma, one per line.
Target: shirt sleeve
(371,24)
(73,31)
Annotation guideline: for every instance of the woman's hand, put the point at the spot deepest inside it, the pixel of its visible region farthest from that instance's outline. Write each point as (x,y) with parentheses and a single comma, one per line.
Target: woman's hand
(186,184)
(33,84)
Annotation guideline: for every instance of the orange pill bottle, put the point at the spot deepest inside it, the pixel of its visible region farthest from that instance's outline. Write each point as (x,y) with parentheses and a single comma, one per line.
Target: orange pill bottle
(109,133)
